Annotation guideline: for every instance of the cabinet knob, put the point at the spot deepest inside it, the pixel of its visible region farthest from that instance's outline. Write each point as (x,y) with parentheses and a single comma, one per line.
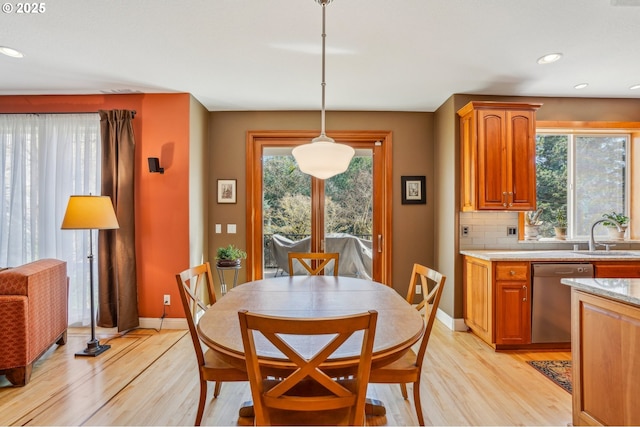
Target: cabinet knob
(511,272)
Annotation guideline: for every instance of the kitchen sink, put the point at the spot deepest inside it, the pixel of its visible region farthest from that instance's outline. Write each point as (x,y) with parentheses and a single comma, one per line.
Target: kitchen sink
(607,253)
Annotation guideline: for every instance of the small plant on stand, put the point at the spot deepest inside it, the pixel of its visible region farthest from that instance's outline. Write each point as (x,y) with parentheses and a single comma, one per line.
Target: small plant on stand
(532,223)
(229,256)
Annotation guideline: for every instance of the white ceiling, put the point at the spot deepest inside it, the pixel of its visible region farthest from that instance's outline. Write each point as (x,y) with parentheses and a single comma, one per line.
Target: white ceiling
(390,55)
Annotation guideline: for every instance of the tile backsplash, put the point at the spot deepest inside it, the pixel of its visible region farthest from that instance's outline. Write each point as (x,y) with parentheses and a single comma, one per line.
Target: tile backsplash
(488,230)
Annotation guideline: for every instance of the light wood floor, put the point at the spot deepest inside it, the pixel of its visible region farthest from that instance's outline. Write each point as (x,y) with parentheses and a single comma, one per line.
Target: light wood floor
(150,378)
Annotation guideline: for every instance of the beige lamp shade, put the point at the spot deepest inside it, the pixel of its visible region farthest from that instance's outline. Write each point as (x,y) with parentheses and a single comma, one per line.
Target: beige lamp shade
(89,212)
(323,158)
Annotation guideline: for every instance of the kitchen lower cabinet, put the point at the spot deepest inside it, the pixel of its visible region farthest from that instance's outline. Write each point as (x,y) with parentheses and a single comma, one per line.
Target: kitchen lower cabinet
(617,269)
(478,297)
(606,367)
(497,306)
(513,303)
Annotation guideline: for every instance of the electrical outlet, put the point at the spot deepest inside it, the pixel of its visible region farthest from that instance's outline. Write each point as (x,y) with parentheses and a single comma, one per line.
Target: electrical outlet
(418,289)
(512,231)
(167,300)
(465,231)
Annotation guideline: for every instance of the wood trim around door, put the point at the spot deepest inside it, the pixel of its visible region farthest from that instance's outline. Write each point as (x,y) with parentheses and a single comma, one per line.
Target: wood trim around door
(381,239)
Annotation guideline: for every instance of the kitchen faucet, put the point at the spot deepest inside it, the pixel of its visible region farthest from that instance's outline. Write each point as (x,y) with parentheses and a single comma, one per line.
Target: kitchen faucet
(592,241)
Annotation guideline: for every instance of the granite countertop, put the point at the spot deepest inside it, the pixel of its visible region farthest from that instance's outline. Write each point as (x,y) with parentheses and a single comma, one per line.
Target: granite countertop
(554,255)
(622,290)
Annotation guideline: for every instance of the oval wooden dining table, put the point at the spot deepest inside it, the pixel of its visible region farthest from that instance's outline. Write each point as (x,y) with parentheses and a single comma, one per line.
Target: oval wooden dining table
(399,325)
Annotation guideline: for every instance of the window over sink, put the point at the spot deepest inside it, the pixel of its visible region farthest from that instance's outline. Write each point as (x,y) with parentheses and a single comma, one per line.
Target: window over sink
(581,174)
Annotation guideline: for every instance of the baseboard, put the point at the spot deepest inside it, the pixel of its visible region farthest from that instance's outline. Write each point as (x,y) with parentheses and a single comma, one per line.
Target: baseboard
(457,325)
(166,323)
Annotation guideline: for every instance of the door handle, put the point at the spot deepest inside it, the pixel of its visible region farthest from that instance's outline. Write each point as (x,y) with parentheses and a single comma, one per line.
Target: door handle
(379,243)
(524,288)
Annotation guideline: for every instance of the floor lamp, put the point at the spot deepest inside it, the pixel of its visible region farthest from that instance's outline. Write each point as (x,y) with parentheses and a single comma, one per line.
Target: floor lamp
(90,213)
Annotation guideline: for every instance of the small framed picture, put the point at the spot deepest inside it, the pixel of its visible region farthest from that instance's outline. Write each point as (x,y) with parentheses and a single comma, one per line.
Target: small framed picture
(226,191)
(414,191)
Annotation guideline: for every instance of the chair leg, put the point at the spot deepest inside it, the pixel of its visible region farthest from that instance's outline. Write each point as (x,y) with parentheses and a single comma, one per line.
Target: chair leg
(201,403)
(403,389)
(417,402)
(216,389)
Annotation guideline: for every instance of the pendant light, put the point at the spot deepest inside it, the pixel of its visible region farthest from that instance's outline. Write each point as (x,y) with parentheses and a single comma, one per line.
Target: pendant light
(323,157)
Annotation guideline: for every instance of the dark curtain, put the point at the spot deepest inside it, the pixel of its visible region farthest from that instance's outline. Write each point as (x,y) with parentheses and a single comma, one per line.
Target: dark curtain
(117,286)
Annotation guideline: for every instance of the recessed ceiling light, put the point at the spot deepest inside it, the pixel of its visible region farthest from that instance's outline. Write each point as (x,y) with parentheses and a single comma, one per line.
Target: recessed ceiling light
(581,85)
(10,52)
(634,87)
(549,58)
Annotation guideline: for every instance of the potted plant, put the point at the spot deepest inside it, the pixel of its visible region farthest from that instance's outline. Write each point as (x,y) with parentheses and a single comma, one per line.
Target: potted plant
(560,226)
(621,219)
(229,256)
(532,223)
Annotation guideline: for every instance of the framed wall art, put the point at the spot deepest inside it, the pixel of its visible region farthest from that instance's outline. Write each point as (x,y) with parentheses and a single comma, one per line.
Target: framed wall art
(414,191)
(226,191)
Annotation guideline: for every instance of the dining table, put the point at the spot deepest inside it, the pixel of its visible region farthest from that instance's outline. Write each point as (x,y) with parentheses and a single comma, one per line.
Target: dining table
(399,325)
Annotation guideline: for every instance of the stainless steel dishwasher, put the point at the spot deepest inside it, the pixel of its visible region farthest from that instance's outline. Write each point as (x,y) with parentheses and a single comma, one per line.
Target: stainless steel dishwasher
(551,301)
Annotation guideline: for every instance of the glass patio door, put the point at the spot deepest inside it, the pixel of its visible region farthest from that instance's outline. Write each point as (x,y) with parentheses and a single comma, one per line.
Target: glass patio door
(303,214)
(293,212)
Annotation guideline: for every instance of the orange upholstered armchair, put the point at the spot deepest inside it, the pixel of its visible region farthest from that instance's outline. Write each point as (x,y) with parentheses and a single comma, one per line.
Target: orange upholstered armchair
(33,315)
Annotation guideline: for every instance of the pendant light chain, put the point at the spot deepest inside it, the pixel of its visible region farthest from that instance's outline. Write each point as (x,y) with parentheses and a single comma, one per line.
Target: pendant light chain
(324,83)
(323,157)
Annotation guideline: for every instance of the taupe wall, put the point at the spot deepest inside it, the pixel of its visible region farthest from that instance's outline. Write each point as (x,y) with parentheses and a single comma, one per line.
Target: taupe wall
(446,214)
(413,225)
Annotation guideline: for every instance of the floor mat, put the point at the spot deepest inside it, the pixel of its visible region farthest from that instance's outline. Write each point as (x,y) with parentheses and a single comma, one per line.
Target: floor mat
(558,371)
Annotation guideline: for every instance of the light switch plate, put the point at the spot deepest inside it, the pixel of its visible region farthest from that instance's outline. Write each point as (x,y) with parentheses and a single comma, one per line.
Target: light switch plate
(231,228)
(218,228)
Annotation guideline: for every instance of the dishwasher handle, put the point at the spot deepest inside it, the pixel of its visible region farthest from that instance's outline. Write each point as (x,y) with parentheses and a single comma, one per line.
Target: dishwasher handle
(563,270)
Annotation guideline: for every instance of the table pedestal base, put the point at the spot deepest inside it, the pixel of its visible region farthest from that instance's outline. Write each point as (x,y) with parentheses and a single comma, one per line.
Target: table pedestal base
(372,407)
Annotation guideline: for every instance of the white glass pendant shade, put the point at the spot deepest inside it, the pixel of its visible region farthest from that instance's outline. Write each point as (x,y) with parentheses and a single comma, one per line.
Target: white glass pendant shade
(323,157)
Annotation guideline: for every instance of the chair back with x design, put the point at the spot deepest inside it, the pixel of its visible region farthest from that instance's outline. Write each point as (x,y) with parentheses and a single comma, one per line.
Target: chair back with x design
(317,261)
(307,393)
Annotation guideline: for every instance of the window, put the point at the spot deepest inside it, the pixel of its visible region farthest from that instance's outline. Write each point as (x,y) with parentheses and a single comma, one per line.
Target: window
(45,159)
(581,176)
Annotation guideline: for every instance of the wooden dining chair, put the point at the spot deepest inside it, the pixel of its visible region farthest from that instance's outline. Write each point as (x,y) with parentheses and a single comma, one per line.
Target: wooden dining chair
(307,395)
(408,368)
(317,261)
(196,293)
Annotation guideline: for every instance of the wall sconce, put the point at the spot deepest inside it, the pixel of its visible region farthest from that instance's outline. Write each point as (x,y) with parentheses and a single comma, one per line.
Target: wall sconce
(154,165)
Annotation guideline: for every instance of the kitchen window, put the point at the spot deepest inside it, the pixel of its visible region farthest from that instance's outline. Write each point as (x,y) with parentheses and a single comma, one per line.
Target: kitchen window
(581,175)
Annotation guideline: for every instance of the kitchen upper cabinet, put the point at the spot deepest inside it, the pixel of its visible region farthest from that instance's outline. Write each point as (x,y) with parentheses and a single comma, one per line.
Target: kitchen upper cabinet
(498,154)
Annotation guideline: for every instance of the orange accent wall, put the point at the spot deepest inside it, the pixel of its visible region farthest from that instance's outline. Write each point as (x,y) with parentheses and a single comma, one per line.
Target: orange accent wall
(161,127)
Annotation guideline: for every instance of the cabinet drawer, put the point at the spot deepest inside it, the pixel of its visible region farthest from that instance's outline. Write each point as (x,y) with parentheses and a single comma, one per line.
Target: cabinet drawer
(512,271)
(617,270)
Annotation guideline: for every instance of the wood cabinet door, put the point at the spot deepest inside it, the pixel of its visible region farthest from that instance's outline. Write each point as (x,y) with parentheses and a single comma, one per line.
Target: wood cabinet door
(478,307)
(521,160)
(492,169)
(606,367)
(513,312)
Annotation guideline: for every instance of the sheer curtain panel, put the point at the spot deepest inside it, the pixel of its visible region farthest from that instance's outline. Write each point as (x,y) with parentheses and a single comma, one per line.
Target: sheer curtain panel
(45,159)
